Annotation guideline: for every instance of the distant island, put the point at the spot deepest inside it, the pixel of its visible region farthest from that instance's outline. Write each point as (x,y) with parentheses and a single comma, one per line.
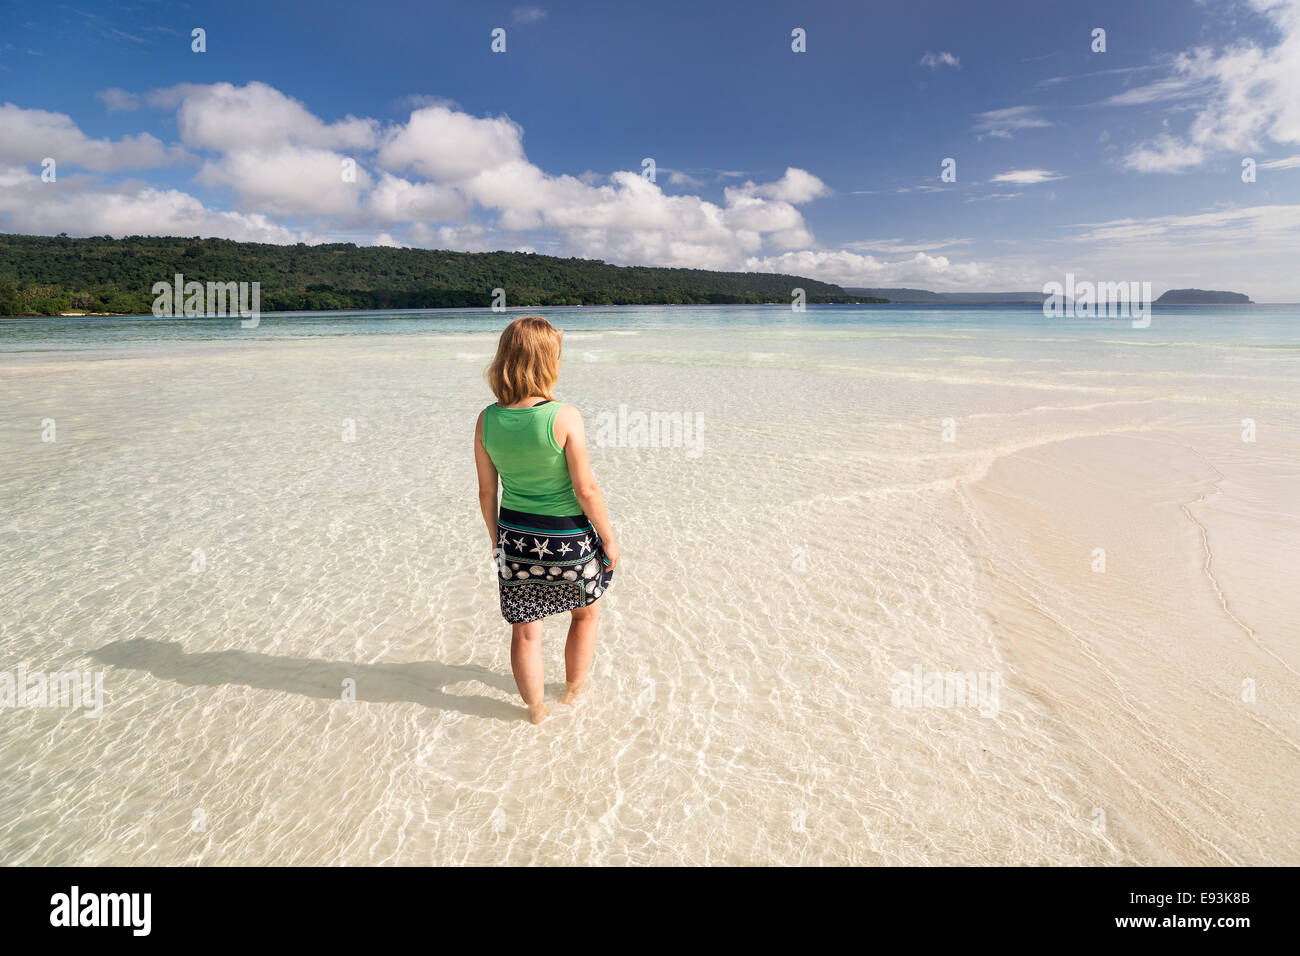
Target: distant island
(1202,297)
(50,275)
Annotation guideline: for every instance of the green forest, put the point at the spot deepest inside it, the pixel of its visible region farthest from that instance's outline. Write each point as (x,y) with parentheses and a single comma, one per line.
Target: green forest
(48,275)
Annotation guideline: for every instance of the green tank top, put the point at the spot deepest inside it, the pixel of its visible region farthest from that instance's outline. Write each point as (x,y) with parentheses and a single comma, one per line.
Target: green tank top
(534,473)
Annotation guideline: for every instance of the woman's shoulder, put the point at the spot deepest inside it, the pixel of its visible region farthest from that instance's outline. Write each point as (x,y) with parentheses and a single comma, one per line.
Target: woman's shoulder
(567,421)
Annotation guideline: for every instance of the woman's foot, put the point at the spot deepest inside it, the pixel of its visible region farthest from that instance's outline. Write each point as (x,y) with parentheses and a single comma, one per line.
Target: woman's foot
(539,713)
(573,692)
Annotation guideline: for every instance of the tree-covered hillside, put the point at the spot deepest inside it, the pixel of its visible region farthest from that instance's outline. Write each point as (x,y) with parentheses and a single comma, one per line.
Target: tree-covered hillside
(44,275)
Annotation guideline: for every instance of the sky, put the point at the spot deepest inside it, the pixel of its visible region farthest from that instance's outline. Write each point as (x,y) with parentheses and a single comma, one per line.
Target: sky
(680,134)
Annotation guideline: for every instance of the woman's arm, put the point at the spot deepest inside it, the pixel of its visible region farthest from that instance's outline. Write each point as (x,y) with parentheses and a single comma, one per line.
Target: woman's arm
(487,483)
(572,437)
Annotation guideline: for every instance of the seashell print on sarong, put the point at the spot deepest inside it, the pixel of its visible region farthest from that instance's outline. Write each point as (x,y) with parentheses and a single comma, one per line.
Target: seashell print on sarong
(574,576)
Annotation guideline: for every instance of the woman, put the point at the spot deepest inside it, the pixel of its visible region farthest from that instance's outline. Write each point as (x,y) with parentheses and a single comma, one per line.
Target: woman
(551,541)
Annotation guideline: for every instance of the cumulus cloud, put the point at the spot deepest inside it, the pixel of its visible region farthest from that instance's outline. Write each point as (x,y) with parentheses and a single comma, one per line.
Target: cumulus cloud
(29,136)
(396,200)
(427,176)
(224,117)
(289,180)
(445,144)
(127,210)
(441,178)
(622,217)
(794,186)
(471,237)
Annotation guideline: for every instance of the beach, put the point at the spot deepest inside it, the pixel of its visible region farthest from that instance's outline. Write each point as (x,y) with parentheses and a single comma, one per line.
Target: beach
(270,548)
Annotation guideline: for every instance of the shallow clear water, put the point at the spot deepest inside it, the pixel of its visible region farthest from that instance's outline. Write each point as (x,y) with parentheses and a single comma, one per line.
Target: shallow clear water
(873,491)
(1261,325)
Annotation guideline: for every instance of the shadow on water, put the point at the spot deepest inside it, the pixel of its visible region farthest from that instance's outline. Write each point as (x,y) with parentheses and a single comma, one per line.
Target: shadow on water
(420,682)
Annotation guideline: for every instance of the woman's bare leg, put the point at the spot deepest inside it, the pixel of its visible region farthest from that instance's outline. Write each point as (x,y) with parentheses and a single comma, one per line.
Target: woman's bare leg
(526,662)
(579,650)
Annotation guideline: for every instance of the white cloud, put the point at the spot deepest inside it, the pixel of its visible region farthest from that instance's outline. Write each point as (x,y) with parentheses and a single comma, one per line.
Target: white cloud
(1004,123)
(415,101)
(29,136)
(1168,89)
(288,180)
(224,117)
(794,186)
(1026,177)
(749,214)
(900,246)
(118,100)
(1222,227)
(1290,162)
(395,199)
(1165,154)
(1253,96)
(844,267)
(528,14)
(445,144)
(128,210)
(936,60)
(679,178)
(1056,80)
(471,237)
(1215,249)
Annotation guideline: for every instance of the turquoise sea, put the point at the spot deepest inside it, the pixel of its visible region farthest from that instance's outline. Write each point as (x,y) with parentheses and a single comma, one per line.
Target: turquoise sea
(1256,325)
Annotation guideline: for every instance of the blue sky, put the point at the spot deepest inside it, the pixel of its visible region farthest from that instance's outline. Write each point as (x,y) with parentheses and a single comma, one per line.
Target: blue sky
(1115,165)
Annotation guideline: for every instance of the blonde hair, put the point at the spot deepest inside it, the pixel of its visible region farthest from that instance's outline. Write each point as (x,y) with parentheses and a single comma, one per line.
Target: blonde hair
(527,360)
